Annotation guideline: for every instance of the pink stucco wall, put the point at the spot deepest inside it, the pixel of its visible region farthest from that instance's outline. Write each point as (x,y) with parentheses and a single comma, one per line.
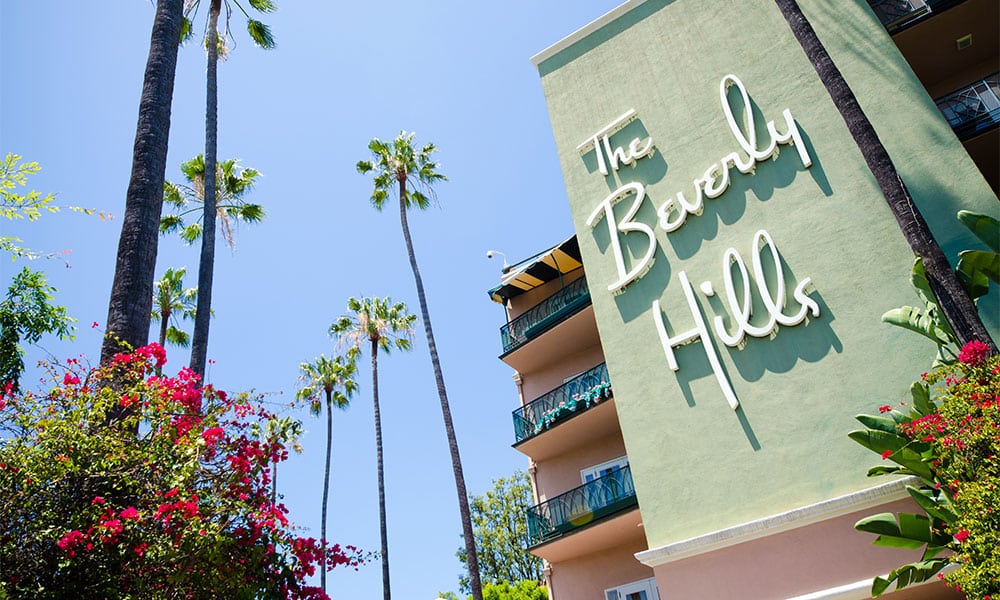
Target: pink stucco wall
(562,473)
(792,563)
(584,578)
(574,362)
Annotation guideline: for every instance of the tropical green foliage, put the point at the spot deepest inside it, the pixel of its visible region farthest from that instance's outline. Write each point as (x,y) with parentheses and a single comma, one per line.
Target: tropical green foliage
(26,314)
(170,300)
(375,320)
(976,268)
(259,32)
(398,161)
(28,205)
(501,530)
(233,183)
(948,439)
(522,590)
(173,502)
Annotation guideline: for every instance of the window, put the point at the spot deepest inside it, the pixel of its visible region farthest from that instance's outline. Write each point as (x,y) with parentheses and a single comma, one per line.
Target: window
(597,471)
(637,590)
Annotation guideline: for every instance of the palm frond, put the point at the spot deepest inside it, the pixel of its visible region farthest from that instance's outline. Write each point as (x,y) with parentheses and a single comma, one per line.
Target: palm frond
(261,34)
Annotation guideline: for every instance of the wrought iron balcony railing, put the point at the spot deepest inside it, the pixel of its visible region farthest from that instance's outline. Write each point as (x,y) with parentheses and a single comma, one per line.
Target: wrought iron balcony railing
(974,108)
(581,506)
(546,313)
(574,396)
(895,14)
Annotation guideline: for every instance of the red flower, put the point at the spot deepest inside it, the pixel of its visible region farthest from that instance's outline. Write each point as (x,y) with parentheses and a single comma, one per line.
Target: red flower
(973,353)
(212,435)
(130,514)
(70,379)
(962,534)
(886,454)
(885,408)
(97,500)
(94,325)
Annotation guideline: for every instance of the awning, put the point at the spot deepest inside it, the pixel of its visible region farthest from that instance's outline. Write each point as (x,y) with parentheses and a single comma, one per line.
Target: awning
(537,270)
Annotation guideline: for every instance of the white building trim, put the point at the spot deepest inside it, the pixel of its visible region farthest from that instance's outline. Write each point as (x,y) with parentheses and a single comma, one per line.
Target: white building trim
(768,526)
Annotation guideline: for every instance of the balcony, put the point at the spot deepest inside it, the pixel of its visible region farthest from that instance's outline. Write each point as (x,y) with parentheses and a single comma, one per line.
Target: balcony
(581,506)
(896,14)
(973,109)
(570,399)
(544,315)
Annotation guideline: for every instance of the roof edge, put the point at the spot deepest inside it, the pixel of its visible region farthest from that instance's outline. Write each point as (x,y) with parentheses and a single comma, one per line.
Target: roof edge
(583,32)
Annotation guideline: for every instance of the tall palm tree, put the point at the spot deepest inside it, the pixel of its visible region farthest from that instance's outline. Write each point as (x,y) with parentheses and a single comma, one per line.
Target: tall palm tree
(261,36)
(398,162)
(383,325)
(172,299)
(130,305)
(233,183)
(955,303)
(335,379)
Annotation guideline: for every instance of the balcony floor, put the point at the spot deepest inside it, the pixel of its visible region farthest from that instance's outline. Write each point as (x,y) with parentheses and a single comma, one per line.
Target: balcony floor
(576,331)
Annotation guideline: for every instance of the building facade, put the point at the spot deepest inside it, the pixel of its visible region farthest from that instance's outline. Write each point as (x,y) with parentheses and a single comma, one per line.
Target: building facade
(686,397)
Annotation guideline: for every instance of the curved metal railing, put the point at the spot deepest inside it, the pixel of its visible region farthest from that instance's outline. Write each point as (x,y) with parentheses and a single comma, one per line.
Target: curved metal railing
(574,396)
(546,313)
(581,506)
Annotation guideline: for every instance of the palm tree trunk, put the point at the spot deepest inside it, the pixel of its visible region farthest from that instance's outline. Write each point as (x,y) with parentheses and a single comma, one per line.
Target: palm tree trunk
(206,264)
(132,290)
(456,461)
(164,324)
(383,529)
(326,484)
(955,303)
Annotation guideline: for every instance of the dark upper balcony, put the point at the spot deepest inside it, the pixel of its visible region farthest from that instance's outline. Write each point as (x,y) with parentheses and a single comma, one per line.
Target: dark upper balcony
(896,14)
(548,313)
(593,503)
(974,109)
(580,393)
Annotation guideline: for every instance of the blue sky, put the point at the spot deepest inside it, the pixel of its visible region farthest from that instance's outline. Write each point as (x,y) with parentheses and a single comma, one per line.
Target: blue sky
(456,73)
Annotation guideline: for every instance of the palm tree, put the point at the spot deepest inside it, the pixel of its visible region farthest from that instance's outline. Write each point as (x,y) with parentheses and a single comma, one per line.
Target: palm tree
(172,299)
(399,162)
(261,36)
(233,183)
(130,305)
(335,379)
(955,303)
(383,325)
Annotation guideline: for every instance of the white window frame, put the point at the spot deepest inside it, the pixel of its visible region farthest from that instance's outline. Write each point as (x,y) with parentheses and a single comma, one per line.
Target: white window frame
(643,585)
(594,472)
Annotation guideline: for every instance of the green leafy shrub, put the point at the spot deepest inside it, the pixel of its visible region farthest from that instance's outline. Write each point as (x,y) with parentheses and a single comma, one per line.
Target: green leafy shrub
(118,483)
(950,439)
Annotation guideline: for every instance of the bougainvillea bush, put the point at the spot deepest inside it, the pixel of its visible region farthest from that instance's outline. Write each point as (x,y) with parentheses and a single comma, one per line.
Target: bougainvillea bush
(950,439)
(122,483)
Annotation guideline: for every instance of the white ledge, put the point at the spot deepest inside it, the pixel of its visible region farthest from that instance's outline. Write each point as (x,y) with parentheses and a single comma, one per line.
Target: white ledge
(583,32)
(793,519)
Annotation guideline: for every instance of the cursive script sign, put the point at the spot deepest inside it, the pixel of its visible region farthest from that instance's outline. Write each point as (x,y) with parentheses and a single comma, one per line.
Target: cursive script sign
(673,213)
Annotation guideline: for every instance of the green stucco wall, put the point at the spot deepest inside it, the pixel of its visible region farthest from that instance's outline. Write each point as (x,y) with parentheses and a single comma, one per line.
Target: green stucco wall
(698,465)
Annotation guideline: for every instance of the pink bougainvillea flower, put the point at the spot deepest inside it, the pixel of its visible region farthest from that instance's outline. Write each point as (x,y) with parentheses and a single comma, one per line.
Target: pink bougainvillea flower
(97,500)
(70,379)
(886,454)
(130,514)
(884,408)
(94,325)
(962,535)
(212,436)
(973,353)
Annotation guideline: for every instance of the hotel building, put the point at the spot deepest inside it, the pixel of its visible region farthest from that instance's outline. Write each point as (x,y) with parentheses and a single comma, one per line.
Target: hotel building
(690,362)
